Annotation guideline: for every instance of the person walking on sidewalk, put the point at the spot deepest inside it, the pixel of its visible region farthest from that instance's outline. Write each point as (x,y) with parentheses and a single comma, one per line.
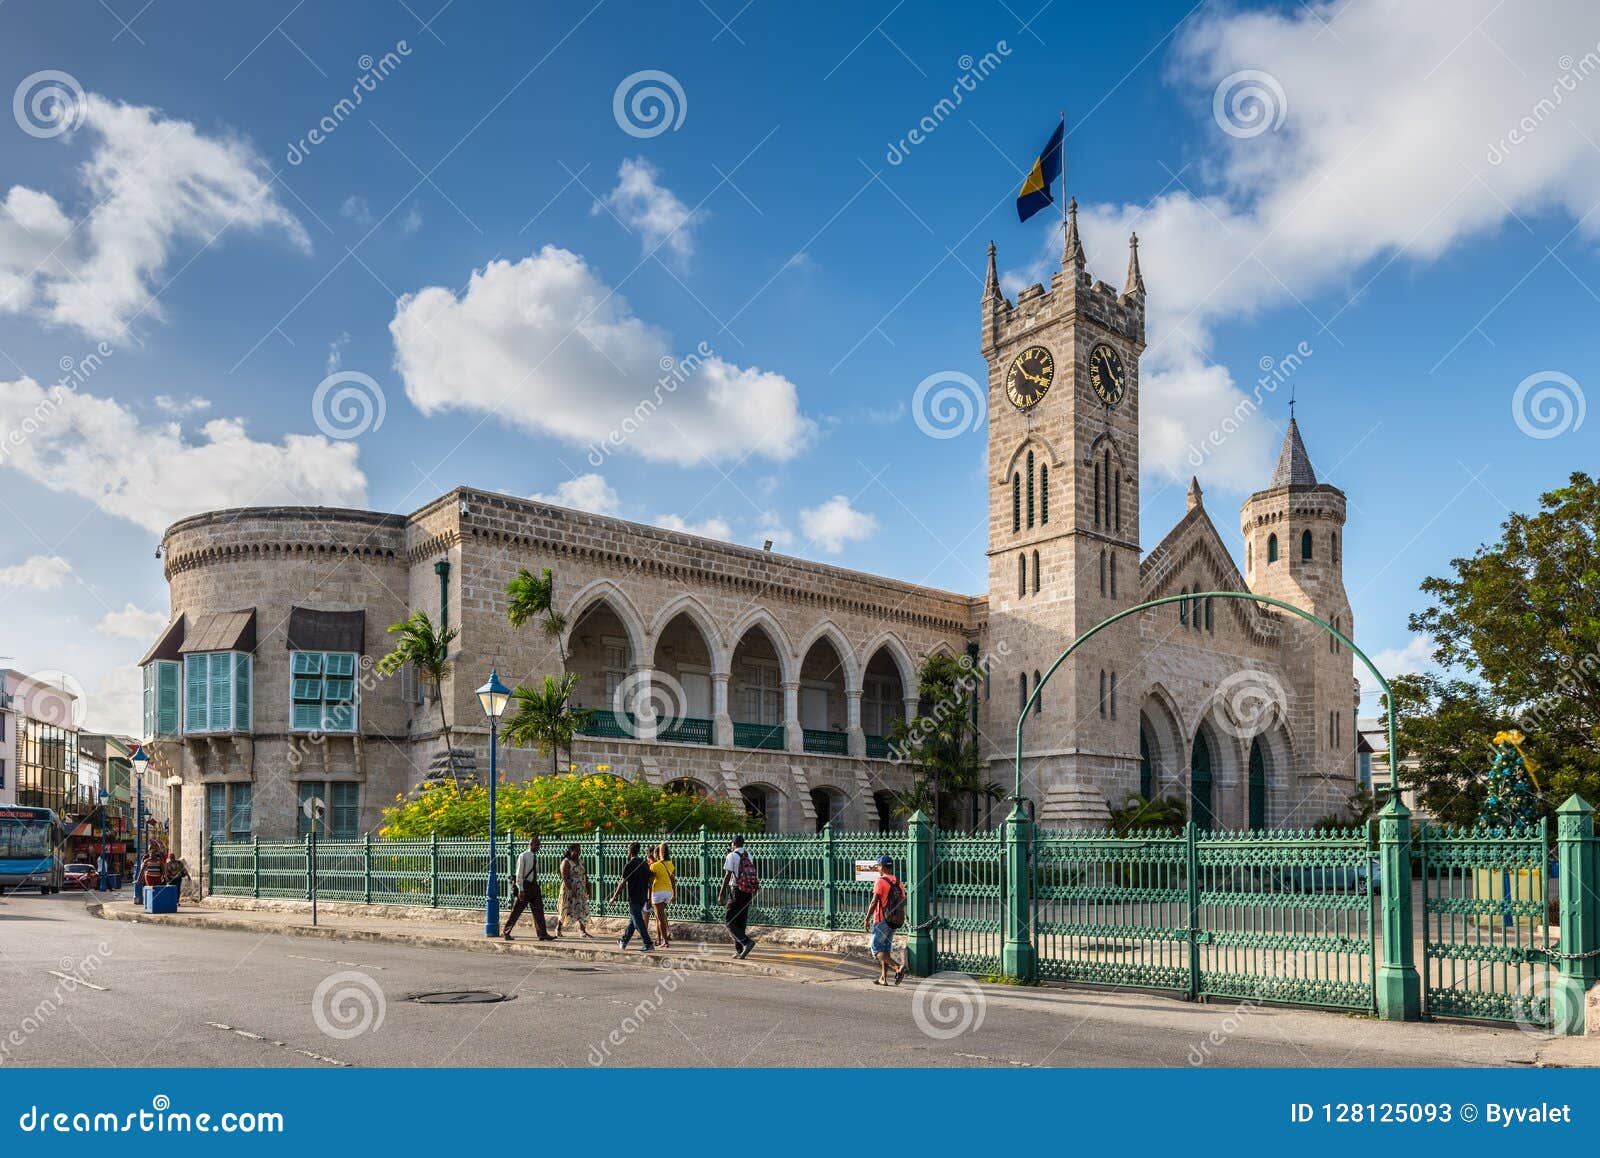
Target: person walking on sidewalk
(663,887)
(574,902)
(886,912)
(739,886)
(528,894)
(636,879)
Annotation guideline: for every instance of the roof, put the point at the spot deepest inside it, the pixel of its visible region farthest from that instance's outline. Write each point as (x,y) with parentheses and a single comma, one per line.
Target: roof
(168,645)
(313,630)
(221,631)
(1294,464)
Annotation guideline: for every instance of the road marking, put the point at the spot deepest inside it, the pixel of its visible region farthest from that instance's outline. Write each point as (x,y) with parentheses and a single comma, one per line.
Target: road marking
(77,980)
(1002,1060)
(330,961)
(245,1033)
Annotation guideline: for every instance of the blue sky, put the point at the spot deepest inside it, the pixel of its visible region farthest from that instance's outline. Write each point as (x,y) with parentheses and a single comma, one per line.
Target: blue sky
(1362,200)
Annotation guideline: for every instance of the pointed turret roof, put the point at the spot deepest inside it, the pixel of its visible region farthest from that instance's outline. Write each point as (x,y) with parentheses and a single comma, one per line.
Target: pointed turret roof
(1294,464)
(1135,278)
(1072,252)
(991,281)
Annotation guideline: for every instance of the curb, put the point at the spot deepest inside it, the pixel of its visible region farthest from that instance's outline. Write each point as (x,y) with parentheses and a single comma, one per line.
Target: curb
(486,945)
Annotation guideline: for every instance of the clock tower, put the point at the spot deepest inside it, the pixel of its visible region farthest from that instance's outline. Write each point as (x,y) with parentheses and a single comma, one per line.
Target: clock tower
(1064,521)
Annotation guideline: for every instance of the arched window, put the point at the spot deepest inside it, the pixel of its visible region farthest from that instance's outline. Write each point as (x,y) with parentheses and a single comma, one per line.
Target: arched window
(1016,502)
(1102,692)
(1038,704)
(1146,769)
(1258,785)
(1102,572)
(1272,549)
(1022,691)
(1194,612)
(1113,576)
(1022,574)
(1249,557)
(1209,626)
(1044,493)
(1036,572)
(1200,783)
(1116,493)
(1113,693)
(1097,494)
(1030,488)
(1183,608)
(1305,545)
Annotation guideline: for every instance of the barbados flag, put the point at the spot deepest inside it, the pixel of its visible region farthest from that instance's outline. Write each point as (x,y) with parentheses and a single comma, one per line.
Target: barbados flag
(1038,189)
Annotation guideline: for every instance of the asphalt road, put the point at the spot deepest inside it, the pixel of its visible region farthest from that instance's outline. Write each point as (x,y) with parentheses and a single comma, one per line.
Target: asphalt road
(166,996)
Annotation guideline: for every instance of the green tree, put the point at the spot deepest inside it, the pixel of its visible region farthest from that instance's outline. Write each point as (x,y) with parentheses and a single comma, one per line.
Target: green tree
(1520,621)
(544,718)
(941,743)
(427,650)
(532,597)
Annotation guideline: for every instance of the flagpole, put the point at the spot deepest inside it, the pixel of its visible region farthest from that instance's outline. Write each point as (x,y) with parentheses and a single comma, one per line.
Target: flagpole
(1063,178)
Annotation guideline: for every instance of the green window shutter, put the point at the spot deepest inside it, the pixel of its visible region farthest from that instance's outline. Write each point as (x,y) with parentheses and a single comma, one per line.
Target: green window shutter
(217,810)
(166,699)
(149,677)
(341,663)
(241,691)
(306,663)
(306,689)
(220,683)
(197,686)
(239,821)
(344,809)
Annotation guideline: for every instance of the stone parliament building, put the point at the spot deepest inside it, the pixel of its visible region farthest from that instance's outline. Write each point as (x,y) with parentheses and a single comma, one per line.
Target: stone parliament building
(779,678)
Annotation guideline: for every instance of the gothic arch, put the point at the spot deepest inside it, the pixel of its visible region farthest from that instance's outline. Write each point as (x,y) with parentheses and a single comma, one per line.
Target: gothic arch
(830,631)
(1160,717)
(788,665)
(1095,447)
(607,592)
(890,642)
(695,611)
(1017,455)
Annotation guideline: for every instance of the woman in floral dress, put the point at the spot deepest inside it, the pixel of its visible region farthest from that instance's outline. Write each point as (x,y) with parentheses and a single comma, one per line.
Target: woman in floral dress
(574,902)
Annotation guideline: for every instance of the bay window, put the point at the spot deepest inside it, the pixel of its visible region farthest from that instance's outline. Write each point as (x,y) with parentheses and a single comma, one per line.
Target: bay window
(322,691)
(160,699)
(216,692)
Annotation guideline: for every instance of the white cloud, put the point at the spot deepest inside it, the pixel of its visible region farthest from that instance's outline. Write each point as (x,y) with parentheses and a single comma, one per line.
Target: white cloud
(835,523)
(586,492)
(356,208)
(132,622)
(546,346)
(65,441)
(412,221)
(155,185)
(181,407)
(652,210)
(36,573)
(117,703)
(1415,656)
(712,528)
(1407,163)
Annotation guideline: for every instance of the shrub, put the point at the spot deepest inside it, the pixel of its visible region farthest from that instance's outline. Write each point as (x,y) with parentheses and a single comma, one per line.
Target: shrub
(558,805)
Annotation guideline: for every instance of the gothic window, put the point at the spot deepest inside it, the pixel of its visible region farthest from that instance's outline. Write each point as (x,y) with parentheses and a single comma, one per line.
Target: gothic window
(1038,703)
(1183,608)
(1044,493)
(1016,502)
(1272,549)
(1030,488)
(1113,576)
(1209,626)
(1113,693)
(1194,611)
(1305,546)
(1116,492)
(1036,572)
(1022,691)
(1102,692)
(1102,572)
(1333,546)
(1097,494)
(1022,574)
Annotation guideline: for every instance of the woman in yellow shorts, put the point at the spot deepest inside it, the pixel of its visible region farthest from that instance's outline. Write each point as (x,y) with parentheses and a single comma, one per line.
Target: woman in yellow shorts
(663,886)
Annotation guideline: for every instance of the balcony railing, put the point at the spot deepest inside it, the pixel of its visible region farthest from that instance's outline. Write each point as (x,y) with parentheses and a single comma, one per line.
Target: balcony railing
(624,726)
(831,743)
(878,747)
(758,736)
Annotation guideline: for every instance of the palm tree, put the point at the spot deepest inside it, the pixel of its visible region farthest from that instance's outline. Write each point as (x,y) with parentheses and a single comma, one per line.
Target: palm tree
(544,718)
(533,597)
(942,745)
(427,650)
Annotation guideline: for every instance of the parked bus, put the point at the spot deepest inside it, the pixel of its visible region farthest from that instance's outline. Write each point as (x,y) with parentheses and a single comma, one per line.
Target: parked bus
(30,843)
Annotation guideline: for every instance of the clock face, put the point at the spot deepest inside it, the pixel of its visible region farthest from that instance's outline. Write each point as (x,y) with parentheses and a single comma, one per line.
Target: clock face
(1030,376)
(1106,374)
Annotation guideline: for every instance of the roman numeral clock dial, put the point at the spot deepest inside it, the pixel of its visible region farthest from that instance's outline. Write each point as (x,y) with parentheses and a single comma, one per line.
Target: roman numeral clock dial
(1028,380)
(1106,375)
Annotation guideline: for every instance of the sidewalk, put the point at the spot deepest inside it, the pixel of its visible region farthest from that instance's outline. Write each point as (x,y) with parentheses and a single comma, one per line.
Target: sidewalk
(696,947)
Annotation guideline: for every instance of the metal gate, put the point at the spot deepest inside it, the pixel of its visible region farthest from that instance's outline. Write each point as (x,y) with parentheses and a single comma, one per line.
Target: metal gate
(968,902)
(1284,917)
(1486,923)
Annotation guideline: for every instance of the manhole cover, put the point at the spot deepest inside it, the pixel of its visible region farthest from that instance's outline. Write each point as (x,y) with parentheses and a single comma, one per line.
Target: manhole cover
(460,997)
(583,969)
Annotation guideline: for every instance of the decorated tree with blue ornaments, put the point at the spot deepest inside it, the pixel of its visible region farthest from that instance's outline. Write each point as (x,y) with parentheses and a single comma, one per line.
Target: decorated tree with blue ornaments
(1512,796)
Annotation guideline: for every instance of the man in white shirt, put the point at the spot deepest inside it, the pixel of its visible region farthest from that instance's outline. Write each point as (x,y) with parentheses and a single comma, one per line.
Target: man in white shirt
(528,892)
(737,914)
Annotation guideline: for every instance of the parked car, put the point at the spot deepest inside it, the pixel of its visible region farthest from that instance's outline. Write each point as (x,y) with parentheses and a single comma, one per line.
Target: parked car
(79,876)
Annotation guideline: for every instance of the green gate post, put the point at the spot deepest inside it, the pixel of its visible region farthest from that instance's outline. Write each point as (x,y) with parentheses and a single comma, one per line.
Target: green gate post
(705,874)
(1191,832)
(366,868)
(1574,836)
(1017,957)
(830,898)
(255,867)
(919,889)
(1399,987)
(433,870)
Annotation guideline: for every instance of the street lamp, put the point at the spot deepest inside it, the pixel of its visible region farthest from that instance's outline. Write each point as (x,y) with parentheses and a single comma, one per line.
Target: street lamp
(100,883)
(140,760)
(493,696)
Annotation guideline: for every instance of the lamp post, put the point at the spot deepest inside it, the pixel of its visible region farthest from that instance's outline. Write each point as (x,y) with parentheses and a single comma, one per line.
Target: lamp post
(493,697)
(100,883)
(140,761)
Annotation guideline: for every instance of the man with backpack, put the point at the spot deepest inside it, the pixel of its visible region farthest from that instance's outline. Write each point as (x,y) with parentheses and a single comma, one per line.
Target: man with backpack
(740,883)
(885,913)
